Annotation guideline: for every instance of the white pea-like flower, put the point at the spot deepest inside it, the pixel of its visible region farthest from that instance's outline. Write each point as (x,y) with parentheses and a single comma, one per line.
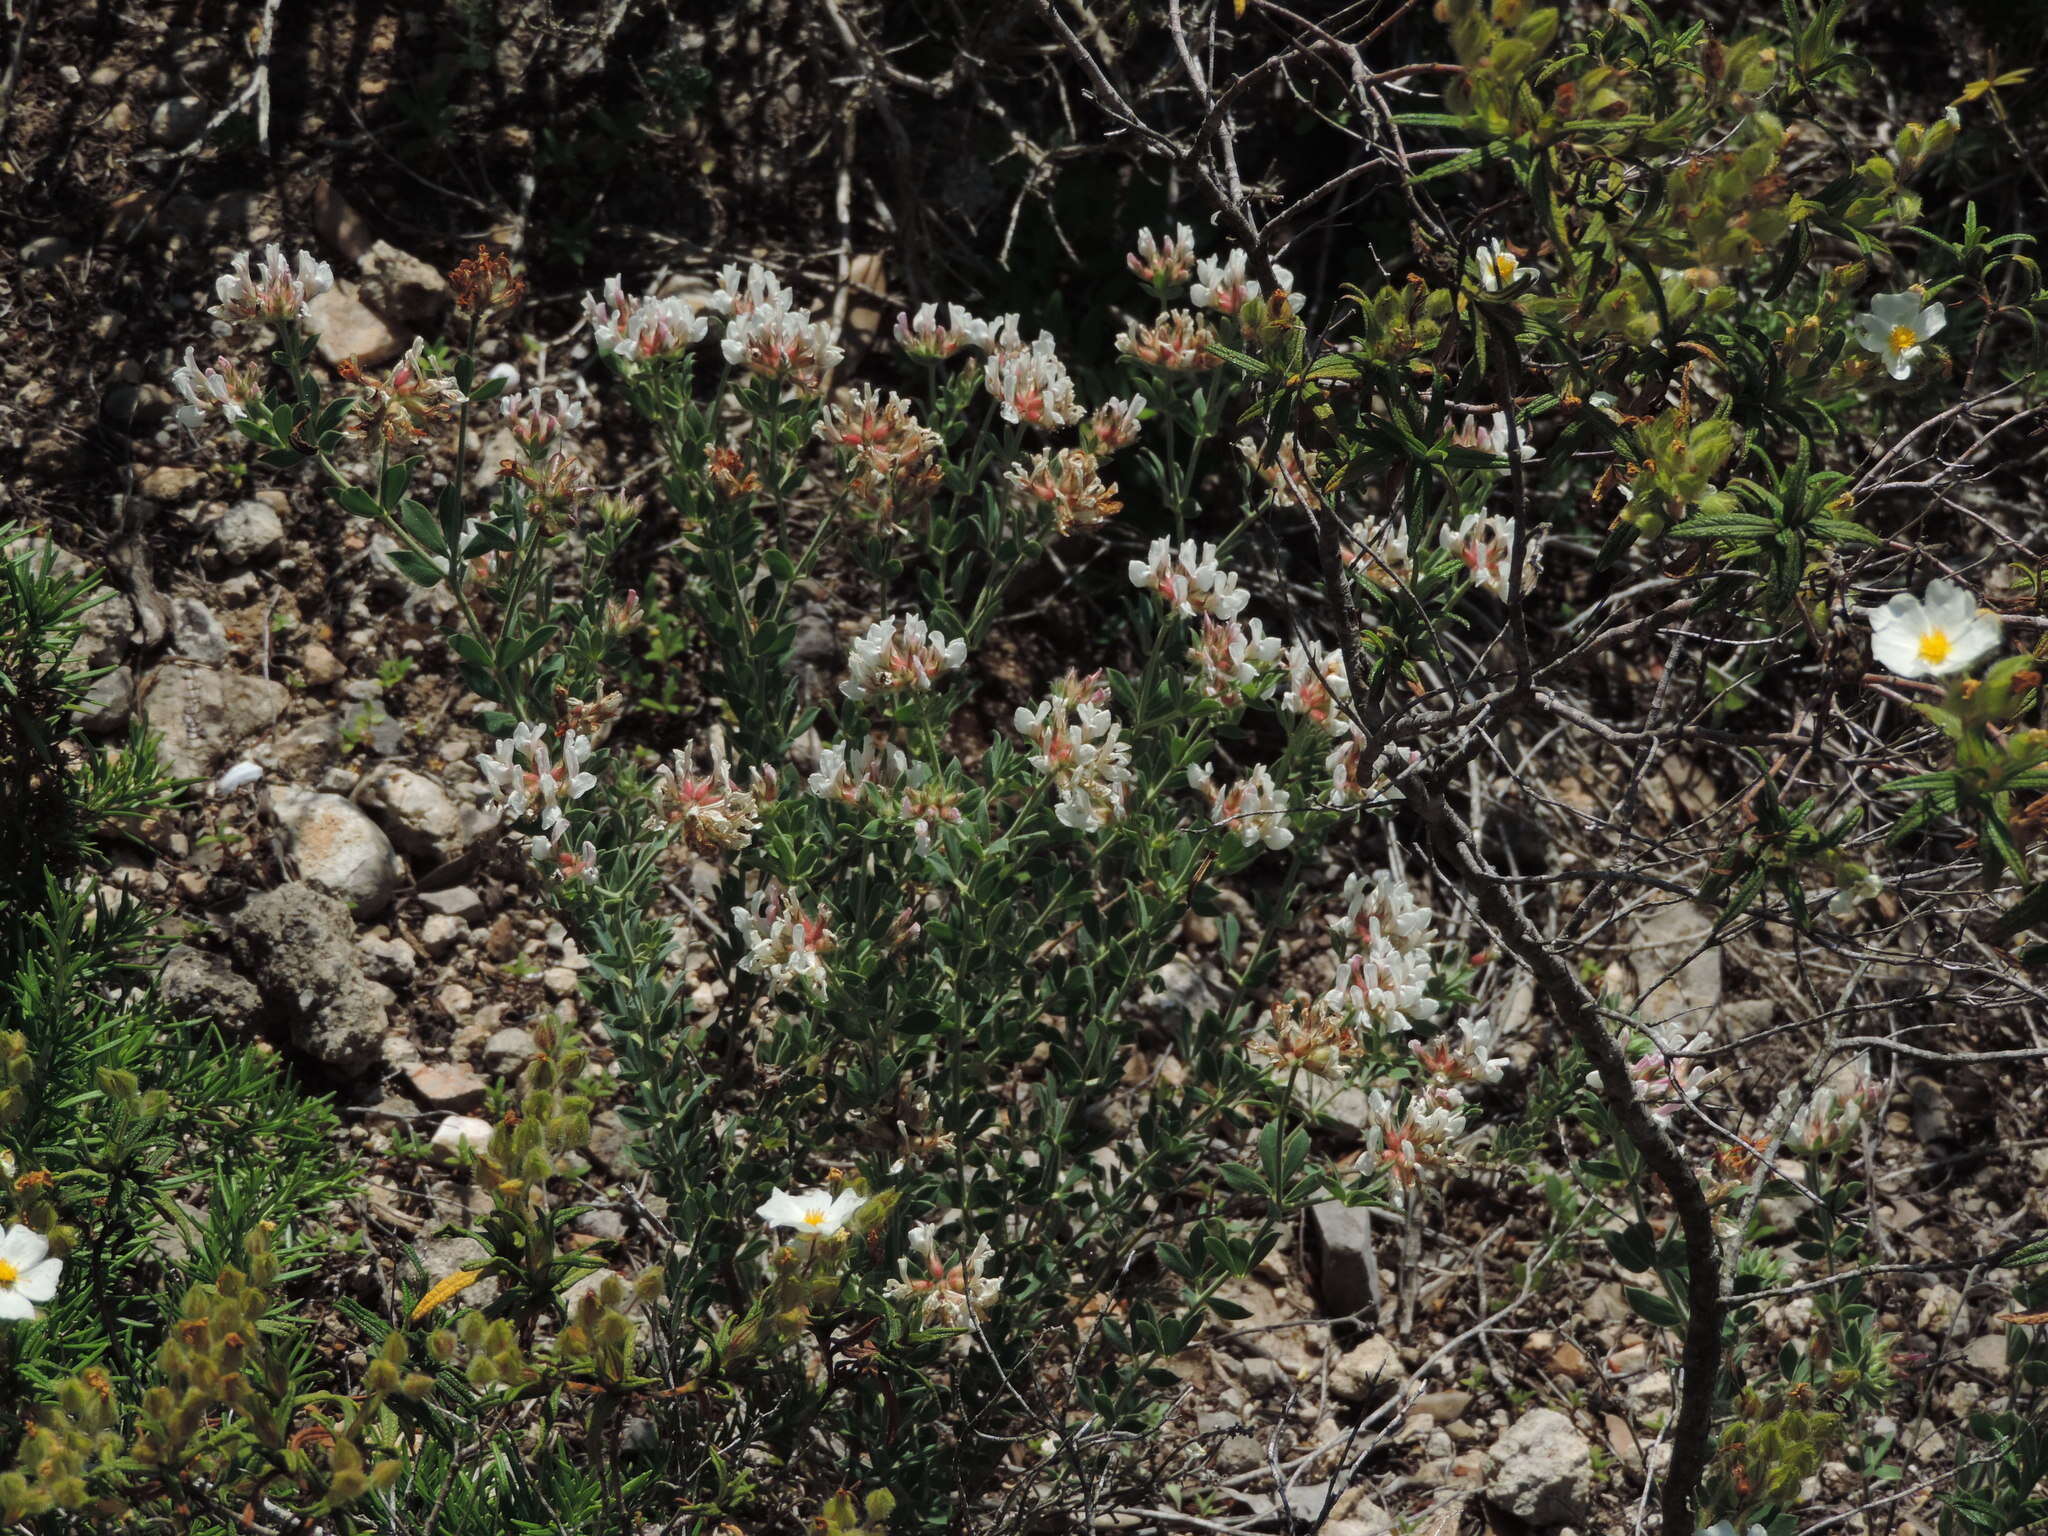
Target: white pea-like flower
(897,656)
(1486,544)
(1190,580)
(813,1214)
(228,386)
(1225,287)
(28,1275)
(1937,635)
(1896,327)
(1163,262)
(1254,809)
(786,946)
(1032,385)
(949,1295)
(274,292)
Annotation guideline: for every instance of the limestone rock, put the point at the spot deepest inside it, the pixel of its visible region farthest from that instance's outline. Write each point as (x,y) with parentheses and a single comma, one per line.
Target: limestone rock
(248,532)
(422,818)
(349,328)
(298,945)
(339,849)
(197,985)
(200,714)
(1543,1470)
(401,287)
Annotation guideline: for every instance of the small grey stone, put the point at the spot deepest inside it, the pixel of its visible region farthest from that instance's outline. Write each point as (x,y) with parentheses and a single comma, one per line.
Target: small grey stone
(611,1141)
(1367,1371)
(109,701)
(1543,1470)
(338,848)
(447,1085)
(248,531)
(196,634)
(177,121)
(1344,1271)
(608,1225)
(441,933)
(194,984)
(508,1050)
(390,961)
(401,287)
(349,328)
(458,901)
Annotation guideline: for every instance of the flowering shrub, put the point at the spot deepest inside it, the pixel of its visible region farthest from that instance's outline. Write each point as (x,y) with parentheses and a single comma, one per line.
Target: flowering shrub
(952,1177)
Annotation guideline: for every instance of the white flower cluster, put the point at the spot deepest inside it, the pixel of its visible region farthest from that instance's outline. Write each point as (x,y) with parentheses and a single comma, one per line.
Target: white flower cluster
(706,810)
(922,336)
(1224,286)
(229,386)
(1079,747)
(1474,434)
(950,1296)
(1294,473)
(1486,544)
(1231,657)
(1662,1074)
(786,946)
(1163,262)
(527,779)
(891,782)
(274,293)
(1254,809)
(1385,978)
(1383,556)
(1412,1137)
(767,332)
(1838,1108)
(642,328)
(1317,685)
(1450,1064)
(897,656)
(1030,383)
(1352,782)
(1190,580)
(535,427)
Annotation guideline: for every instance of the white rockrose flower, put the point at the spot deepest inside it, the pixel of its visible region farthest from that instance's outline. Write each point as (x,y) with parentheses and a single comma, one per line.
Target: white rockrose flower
(28,1275)
(1936,635)
(1896,327)
(1498,266)
(814,1214)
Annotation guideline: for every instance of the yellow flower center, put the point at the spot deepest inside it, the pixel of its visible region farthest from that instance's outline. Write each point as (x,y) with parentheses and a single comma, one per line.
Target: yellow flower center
(1935,646)
(1504,267)
(1904,338)
(816,1218)
(8,1273)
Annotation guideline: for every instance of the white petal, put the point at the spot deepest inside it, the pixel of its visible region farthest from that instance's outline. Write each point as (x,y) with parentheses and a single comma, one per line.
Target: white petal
(14,1307)
(1932,319)
(40,1283)
(23,1248)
